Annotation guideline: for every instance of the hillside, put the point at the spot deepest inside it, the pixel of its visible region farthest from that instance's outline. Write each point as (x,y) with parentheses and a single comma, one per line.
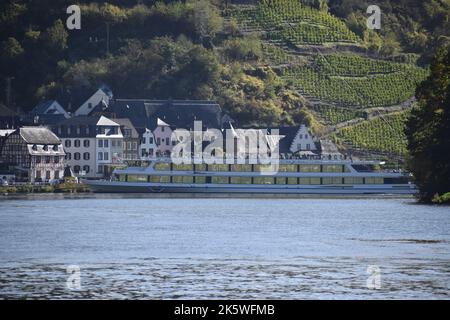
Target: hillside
(267,62)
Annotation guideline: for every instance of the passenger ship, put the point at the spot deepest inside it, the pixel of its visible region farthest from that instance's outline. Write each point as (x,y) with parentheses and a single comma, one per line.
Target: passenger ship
(293,177)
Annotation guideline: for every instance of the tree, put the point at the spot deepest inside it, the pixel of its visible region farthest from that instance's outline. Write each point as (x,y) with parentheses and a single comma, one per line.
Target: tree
(428,130)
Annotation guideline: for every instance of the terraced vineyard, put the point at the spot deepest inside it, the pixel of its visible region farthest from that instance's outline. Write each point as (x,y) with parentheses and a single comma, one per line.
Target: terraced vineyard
(382,134)
(340,85)
(333,115)
(369,91)
(290,22)
(352,65)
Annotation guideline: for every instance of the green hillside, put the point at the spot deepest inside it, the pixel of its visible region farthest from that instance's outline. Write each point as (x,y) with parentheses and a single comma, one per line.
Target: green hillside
(267,62)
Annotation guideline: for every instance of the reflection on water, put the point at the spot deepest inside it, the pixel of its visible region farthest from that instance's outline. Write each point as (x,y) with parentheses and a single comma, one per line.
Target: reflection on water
(223,248)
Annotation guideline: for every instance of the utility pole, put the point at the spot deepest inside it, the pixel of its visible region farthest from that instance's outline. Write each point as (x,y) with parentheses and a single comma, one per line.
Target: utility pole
(107,38)
(8,91)
(8,97)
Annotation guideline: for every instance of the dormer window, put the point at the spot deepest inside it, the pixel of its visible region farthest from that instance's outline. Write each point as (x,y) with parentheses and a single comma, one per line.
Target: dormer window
(55,147)
(45,148)
(34,147)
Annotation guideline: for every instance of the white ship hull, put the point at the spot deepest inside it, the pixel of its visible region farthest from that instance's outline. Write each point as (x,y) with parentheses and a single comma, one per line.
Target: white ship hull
(128,187)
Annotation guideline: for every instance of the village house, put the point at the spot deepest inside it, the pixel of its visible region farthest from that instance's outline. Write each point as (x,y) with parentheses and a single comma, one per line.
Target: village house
(109,146)
(45,113)
(101,96)
(131,139)
(34,154)
(78,136)
(148,145)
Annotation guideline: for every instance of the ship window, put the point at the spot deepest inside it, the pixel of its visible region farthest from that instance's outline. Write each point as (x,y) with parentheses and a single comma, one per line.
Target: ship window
(309,168)
(122,177)
(241,180)
(162,166)
(353,180)
(331,180)
(182,167)
(292,181)
(137,178)
(280,180)
(183,179)
(374,180)
(160,179)
(200,179)
(263,180)
(263,168)
(241,167)
(218,167)
(309,181)
(287,168)
(221,180)
(332,168)
(200,167)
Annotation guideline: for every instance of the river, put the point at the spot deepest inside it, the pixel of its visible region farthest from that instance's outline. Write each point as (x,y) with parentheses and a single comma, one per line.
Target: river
(141,247)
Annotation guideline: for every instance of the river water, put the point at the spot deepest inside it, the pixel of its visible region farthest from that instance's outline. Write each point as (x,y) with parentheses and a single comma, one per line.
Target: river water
(159,248)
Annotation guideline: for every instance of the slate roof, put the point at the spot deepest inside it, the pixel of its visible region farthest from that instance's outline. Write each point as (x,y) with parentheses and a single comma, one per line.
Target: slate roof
(38,135)
(126,123)
(177,113)
(42,107)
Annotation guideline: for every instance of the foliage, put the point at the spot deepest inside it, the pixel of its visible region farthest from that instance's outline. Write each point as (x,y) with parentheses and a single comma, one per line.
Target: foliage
(428,130)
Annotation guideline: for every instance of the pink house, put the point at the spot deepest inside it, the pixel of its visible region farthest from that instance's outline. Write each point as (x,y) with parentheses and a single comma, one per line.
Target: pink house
(163,134)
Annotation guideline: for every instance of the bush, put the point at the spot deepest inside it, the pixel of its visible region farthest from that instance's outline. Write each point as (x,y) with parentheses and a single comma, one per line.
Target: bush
(443,199)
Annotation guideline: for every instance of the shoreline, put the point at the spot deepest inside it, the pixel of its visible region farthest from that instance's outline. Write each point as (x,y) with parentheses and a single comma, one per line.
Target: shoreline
(90,195)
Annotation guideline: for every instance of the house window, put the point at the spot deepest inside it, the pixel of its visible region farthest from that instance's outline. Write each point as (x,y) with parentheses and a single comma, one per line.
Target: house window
(38,174)
(87,130)
(299,146)
(100,169)
(150,152)
(158,141)
(308,146)
(134,145)
(301,136)
(100,143)
(57,174)
(56,159)
(129,146)
(162,129)
(144,152)
(106,156)
(77,156)
(106,143)
(47,159)
(167,142)
(68,156)
(76,169)
(47,175)
(78,130)
(100,156)
(77,143)
(306,136)
(86,169)
(143,140)
(86,143)
(68,143)
(38,159)
(86,156)
(151,140)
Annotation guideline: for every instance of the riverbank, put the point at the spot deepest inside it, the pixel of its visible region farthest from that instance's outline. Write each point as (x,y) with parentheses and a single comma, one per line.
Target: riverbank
(30,189)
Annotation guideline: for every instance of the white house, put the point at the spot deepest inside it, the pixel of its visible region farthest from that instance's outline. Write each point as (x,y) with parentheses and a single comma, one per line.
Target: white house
(148,145)
(109,145)
(303,141)
(102,95)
